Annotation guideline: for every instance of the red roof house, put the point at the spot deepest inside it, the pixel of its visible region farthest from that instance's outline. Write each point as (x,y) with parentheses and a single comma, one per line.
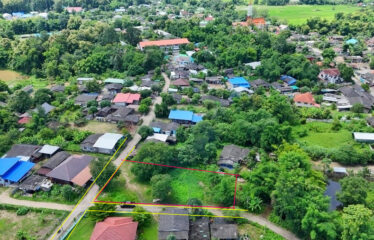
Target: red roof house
(115,228)
(24,120)
(164,43)
(181,83)
(305,100)
(123,99)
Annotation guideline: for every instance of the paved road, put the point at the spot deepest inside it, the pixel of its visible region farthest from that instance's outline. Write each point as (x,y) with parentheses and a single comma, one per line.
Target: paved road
(6,199)
(86,202)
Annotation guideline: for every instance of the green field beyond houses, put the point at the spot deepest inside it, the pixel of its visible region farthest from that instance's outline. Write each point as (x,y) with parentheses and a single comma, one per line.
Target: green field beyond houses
(298,14)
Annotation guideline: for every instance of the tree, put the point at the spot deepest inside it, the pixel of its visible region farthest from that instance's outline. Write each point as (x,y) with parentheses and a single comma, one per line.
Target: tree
(99,212)
(143,108)
(132,36)
(141,216)
(346,72)
(145,131)
(161,188)
(68,193)
(354,190)
(318,224)
(161,110)
(171,237)
(223,192)
(93,86)
(4,87)
(372,63)
(105,103)
(21,102)
(43,95)
(357,108)
(97,166)
(357,223)
(329,53)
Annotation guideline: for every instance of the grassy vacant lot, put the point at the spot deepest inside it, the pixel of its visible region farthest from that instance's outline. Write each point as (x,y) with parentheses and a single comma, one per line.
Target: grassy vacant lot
(321,134)
(117,191)
(99,127)
(38,225)
(86,226)
(255,231)
(298,14)
(11,77)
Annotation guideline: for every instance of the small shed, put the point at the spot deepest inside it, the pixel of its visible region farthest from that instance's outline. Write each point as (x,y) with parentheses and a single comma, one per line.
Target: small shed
(363,137)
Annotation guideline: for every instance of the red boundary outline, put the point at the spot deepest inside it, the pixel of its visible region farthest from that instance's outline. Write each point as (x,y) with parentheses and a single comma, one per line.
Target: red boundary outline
(164,204)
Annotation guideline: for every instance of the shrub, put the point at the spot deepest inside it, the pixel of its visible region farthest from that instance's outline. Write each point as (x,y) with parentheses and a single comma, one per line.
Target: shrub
(22,211)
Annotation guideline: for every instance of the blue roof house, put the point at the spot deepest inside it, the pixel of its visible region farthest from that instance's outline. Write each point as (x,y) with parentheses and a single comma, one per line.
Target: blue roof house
(12,170)
(239,82)
(184,117)
(352,41)
(288,79)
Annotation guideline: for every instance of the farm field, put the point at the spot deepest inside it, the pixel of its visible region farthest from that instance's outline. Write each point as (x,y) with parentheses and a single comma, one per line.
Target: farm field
(11,77)
(38,225)
(298,14)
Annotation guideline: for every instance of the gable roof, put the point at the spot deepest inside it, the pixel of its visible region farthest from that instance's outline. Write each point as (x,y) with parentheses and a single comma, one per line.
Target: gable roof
(82,177)
(185,116)
(177,224)
(115,228)
(6,164)
(167,42)
(91,140)
(48,149)
(232,154)
(70,168)
(18,171)
(56,160)
(331,71)
(240,81)
(306,98)
(181,82)
(107,140)
(24,120)
(126,98)
(26,150)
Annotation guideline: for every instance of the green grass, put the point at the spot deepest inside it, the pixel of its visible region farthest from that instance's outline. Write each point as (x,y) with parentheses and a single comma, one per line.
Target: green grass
(150,232)
(298,14)
(320,134)
(189,184)
(83,230)
(116,191)
(255,231)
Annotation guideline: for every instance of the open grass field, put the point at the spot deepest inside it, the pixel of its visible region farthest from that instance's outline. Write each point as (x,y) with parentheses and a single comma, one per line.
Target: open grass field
(11,77)
(298,14)
(99,127)
(37,225)
(321,134)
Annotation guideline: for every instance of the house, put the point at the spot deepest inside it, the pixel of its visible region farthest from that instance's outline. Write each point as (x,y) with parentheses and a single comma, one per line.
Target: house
(214,79)
(339,171)
(331,75)
(367,78)
(84,80)
(88,144)
(239,82)
(104,112)
(24,120)
(49,150)
(305,100)
(231,155)
(74,9)
(253,65)
(53,162)
(174,221)
(74,170)
(122,114)
(32,183)
(28,89)
(199,229)
(181,83)
(356,94)
(13,169)
(260,83)
(26,152)
(123,99)
(114,80)
(58,88)
(363,137)
(107,143)
(47,108)
(290,81)
(224,231)
(115,228)
(184,117)
(169,129)
(223,102)
(168,44)
(157,137)
(113,88)
(83,99)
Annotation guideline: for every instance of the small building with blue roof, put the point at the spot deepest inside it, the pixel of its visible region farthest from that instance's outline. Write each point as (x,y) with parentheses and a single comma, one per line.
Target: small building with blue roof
(352,41)
(184,117)
(239,82)
(288,79)
(12,170)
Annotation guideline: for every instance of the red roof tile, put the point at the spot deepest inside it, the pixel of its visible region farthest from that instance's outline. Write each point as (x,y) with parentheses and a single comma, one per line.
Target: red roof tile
(115,228)
(331,71)
(306,98)
(126,98)
(24,120)
(181,82)
(167,42)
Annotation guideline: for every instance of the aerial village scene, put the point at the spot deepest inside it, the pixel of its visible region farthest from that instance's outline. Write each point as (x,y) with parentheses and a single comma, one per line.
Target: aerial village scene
(186,119)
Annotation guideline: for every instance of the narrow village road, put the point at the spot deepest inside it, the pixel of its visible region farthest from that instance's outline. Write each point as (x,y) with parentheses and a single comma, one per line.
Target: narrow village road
(6,199)
(86,202)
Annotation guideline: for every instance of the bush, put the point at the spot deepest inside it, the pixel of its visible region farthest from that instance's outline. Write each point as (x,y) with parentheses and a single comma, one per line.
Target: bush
(22,211)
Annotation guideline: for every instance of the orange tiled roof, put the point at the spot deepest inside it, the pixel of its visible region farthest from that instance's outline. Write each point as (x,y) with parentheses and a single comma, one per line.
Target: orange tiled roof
(306,98)
(115,228)
(167,42)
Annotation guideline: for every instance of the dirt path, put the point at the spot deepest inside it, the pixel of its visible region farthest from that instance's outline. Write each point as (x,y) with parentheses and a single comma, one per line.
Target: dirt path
(6,199)
(355,169)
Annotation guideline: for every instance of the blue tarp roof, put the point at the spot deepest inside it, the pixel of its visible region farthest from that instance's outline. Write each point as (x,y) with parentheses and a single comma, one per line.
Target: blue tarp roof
(6,164)
(181,115)
(288,79)
(352,41)
(294,87)
(156,129)
(239,81)
(18,171)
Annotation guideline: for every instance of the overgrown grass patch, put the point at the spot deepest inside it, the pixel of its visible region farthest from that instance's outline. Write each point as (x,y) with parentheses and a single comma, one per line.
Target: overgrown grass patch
(116,191)
(255,231)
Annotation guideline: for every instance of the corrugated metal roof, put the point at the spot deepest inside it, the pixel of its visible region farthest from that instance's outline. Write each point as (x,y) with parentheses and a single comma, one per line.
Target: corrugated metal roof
(181,115)
(49,149)
(6,164)
(363,136)
(18,171)
(108,140)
